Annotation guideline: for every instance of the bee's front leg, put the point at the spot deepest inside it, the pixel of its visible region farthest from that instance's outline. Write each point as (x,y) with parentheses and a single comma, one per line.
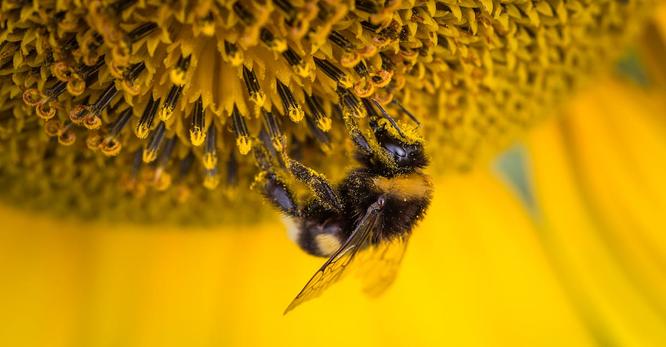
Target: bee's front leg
(319,185)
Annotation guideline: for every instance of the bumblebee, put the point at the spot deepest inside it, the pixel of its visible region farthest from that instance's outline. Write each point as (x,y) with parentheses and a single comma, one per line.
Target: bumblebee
(367,218)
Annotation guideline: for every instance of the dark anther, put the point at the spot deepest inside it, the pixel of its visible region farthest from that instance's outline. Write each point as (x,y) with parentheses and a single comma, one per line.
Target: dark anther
(243,13)
(340,40)
(109,93)
(329,69)
(286,6)
(291,57)
(368,6)
(120,122)
(134,71)
(141,31)
(361,69)
(251,81)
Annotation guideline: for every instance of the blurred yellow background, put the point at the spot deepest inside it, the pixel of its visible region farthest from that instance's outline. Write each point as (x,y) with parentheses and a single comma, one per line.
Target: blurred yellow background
(475,273)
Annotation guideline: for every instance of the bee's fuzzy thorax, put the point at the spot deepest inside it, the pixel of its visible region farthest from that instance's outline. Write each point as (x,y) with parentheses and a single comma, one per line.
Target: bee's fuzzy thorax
(407,198)
(406,187)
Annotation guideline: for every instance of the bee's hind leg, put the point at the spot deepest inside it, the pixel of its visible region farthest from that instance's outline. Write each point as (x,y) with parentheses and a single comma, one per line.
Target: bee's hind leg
(279,195)
(272,187)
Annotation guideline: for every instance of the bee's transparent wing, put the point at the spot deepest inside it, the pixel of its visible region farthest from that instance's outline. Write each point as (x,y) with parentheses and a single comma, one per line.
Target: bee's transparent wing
(339,262)
(379,264)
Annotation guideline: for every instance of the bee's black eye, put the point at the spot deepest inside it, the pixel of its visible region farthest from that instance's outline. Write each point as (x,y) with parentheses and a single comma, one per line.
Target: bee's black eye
(395,150)
(405,155)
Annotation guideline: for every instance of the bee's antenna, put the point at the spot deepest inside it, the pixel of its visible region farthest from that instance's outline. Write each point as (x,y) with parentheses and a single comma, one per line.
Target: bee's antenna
(406,111)
(389,118)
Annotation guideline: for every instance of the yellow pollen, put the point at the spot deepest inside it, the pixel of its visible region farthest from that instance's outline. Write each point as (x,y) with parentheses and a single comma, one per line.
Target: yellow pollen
(244,145)
(92,122)
(66,137)
(76,86)
(162,181)
(93,141)
(142,131)
(111,147)
(258,98)
(149,155)
(165,113)
(177,77)
(350,59)
(303,69)
(52,127)
(208,28)
(197,136)
(324,123)
(236,59)
(45,110)
(209,161)
(346,81)
(296,114)
(32,97)
(211,181)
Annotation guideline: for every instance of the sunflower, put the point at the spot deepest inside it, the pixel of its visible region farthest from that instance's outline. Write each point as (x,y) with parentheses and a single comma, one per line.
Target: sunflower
(136,110)
(563,247)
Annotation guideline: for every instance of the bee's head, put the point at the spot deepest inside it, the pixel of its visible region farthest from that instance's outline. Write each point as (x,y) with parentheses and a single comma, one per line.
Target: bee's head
(407,156)
(399,152)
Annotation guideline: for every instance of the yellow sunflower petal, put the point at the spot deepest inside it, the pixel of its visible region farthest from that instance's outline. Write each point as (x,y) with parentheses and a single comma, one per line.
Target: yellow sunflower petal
(475,275)
(598,181)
